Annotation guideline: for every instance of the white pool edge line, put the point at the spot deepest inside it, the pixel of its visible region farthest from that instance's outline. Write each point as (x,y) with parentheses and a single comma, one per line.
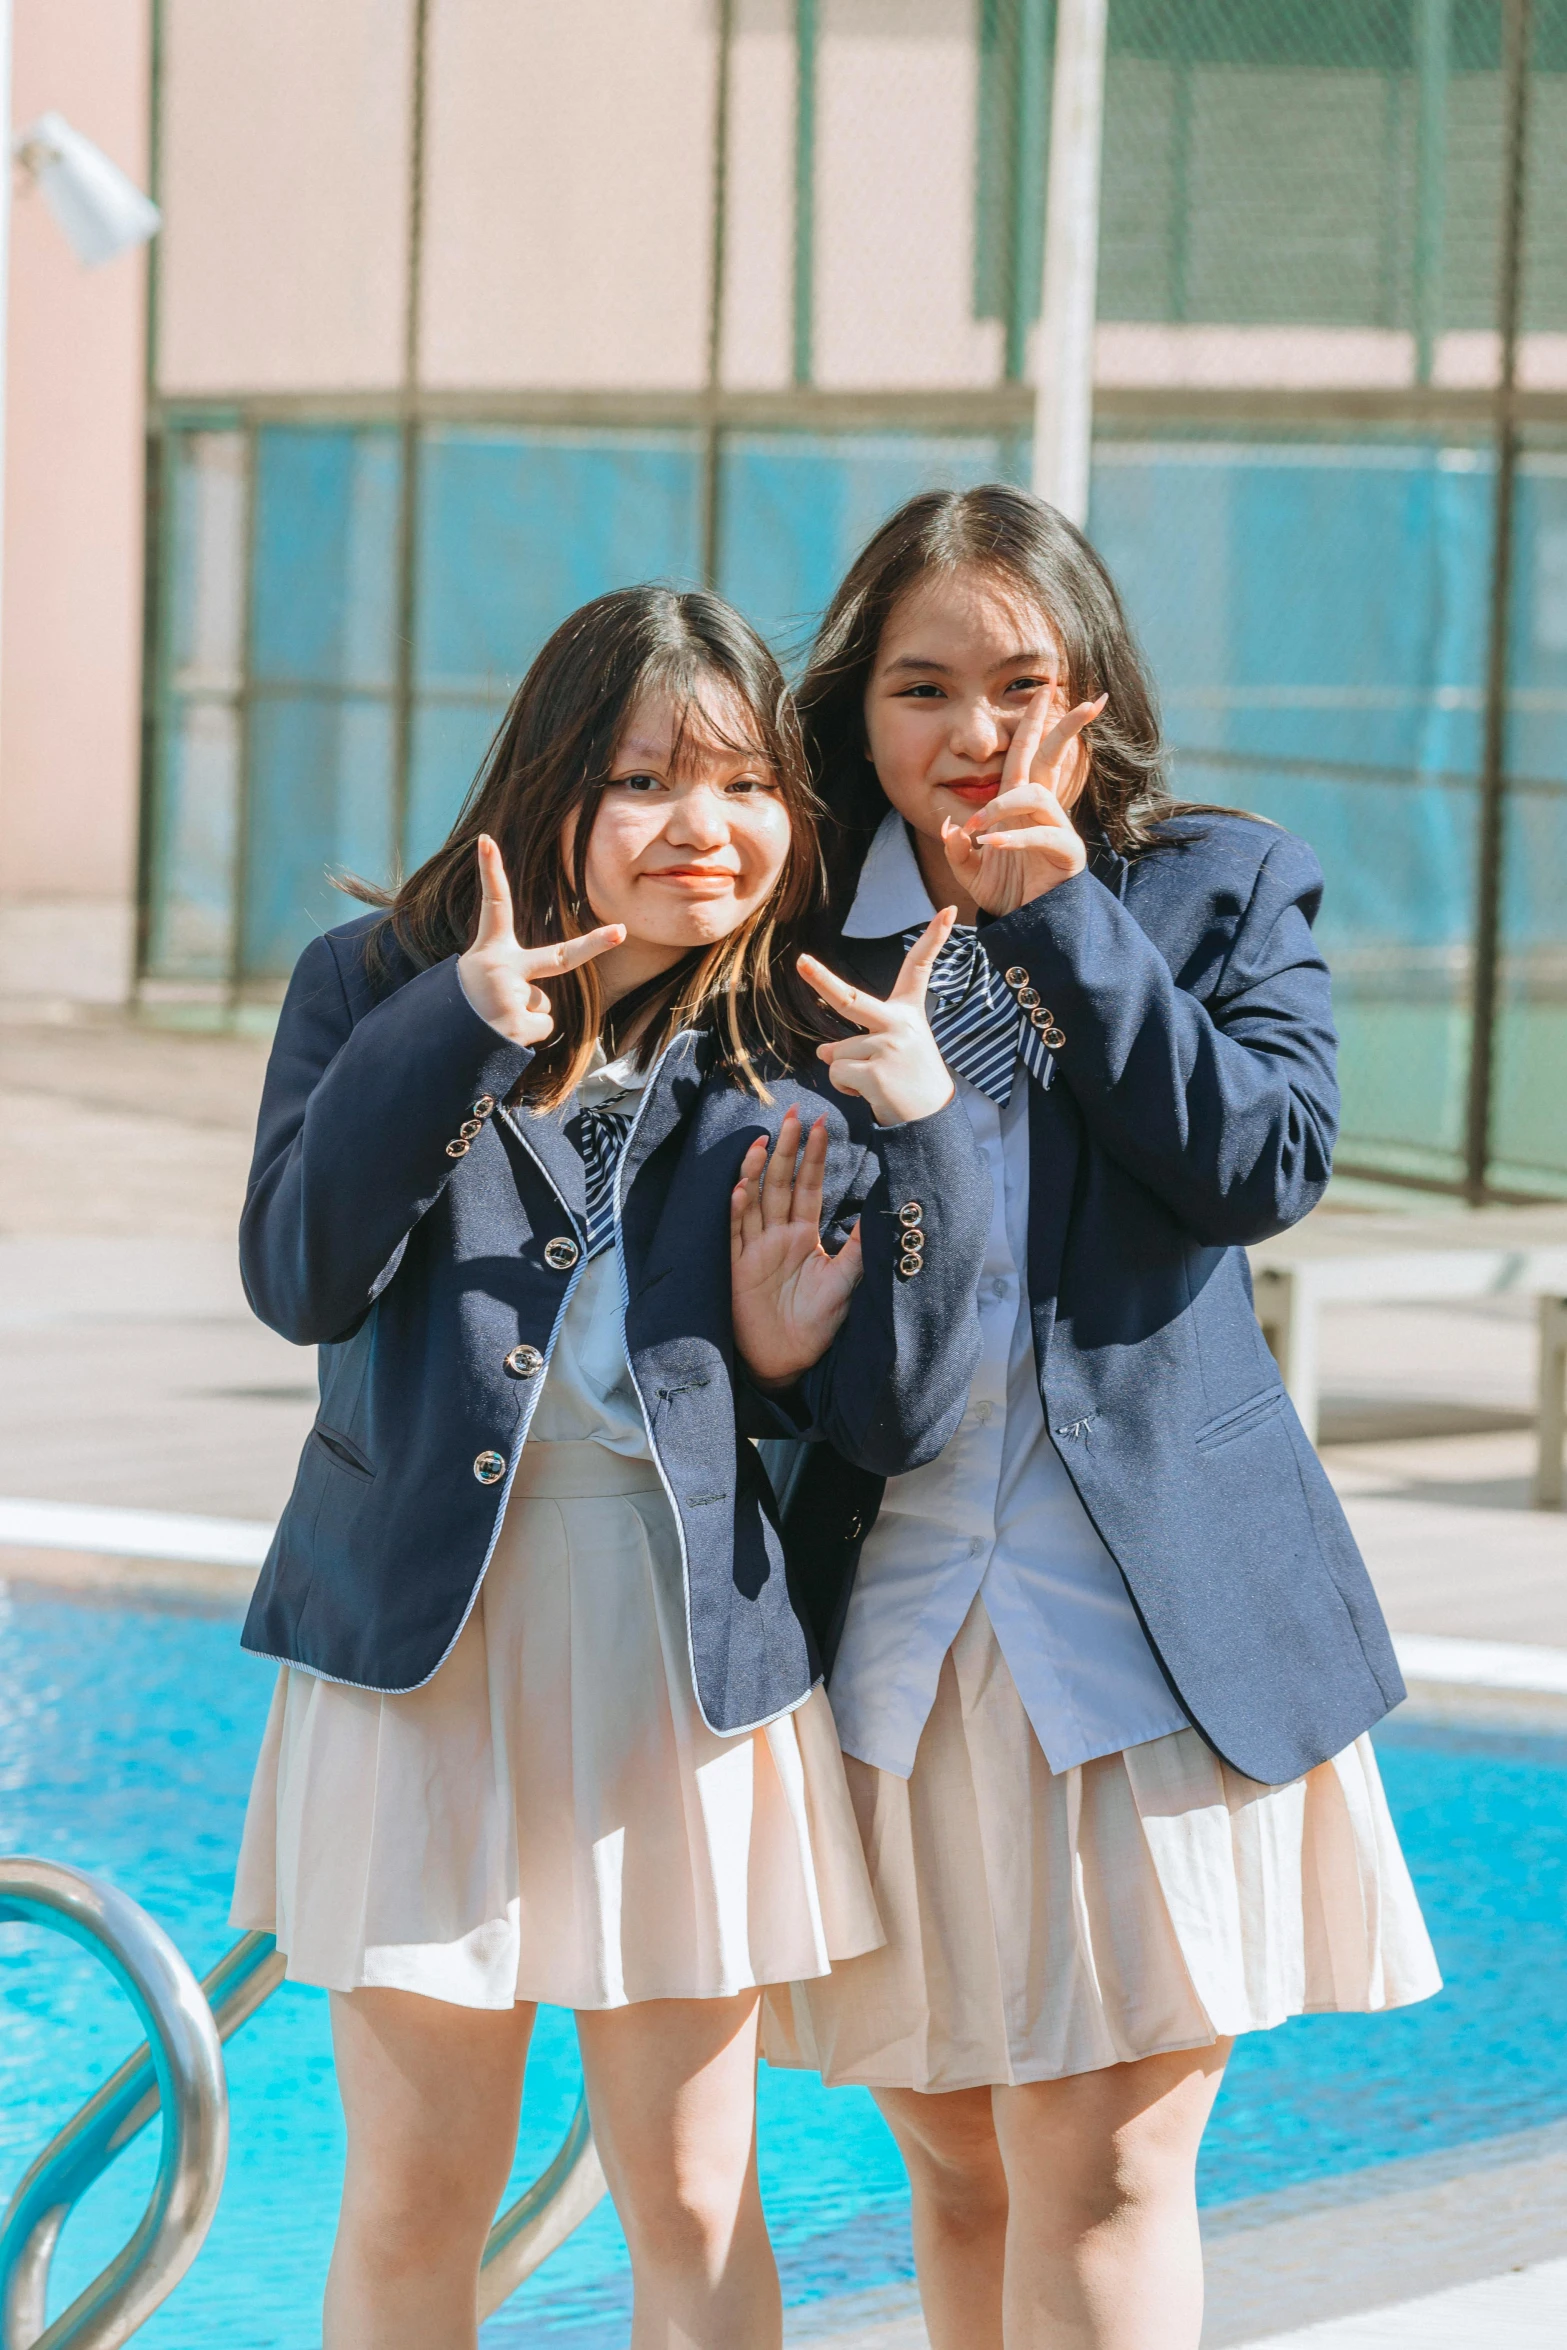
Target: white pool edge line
(1427,1659)
(1437,1659)
(132,1533)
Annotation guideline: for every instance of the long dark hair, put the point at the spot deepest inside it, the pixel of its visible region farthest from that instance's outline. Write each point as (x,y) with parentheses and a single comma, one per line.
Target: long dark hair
(1027,546)
(547,765)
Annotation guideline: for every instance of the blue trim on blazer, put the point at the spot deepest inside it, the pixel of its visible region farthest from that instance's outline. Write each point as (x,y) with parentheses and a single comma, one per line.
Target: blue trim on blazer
(1194,1109)
(418,1266)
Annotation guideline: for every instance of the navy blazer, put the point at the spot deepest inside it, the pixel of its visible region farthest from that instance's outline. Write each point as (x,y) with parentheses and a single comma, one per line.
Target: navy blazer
(427,1240)
(1193,1109)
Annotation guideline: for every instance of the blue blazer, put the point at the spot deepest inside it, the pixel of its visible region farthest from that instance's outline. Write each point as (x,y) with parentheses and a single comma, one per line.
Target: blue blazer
(427,1241)
(1193,1109)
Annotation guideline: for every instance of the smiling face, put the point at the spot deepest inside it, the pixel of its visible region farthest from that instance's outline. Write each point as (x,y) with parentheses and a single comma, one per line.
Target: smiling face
(960,659)
(690,836)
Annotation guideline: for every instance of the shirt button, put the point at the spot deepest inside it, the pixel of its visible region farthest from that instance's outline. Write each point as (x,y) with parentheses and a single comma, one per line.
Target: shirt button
(483,1106)
(490,1467)
(560,1255)
(1017,976)
(975,1547)
(524,1362)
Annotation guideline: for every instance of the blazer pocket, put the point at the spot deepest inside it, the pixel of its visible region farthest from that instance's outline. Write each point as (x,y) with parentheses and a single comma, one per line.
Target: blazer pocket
(342,1452)
(1239,1420)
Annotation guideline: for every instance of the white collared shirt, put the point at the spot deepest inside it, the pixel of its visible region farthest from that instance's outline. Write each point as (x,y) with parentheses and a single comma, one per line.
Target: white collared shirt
(995,1515)
(589,1396)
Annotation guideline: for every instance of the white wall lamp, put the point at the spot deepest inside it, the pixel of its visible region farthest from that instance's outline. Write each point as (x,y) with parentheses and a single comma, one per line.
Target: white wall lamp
(101,211)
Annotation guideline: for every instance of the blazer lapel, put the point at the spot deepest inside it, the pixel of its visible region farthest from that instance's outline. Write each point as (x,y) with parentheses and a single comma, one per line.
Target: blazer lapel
(543,1133)
(1054,1141)
(671,1094)
(871,962)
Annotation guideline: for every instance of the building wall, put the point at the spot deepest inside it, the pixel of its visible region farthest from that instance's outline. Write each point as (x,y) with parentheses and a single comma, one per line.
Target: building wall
(70,638)
(285,175)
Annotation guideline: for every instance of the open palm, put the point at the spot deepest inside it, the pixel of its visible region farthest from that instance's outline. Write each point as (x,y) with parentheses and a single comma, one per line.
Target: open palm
(790,1295)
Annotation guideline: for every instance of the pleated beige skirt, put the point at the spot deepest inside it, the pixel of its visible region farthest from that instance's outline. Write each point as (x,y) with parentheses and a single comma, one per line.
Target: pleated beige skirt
(1040,1925)
(549,1817)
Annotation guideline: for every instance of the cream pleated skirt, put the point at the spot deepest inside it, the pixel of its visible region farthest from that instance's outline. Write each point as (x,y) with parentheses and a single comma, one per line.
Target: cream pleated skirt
(1040,1925)
(549,1817)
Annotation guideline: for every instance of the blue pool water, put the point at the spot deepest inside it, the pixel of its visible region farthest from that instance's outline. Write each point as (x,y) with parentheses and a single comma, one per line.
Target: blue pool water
(126,1741)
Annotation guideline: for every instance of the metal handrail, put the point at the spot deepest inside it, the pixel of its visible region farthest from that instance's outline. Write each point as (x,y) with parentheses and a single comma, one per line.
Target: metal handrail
(541,2219)
(520,2241)
(183,2054)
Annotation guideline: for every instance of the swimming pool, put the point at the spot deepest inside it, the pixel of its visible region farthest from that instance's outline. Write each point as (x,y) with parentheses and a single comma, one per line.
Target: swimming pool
(126,1740)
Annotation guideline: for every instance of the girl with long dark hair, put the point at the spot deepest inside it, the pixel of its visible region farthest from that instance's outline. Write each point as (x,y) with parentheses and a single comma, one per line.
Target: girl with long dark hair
(549,1170)
(1104,1669)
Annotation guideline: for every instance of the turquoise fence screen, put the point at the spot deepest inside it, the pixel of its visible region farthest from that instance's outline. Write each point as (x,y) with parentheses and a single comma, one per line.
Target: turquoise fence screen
(1315,612)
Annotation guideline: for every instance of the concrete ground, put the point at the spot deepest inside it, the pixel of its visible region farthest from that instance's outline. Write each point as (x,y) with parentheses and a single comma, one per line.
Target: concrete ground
(132,1374)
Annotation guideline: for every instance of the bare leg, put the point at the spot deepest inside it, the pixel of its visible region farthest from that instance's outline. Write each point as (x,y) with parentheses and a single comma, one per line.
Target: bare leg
(1103,2251)
(672,2091)
(958,2194)
(431,2094)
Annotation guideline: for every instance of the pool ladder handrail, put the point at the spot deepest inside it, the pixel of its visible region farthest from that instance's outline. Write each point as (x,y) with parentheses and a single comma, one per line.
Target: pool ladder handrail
(179,2067)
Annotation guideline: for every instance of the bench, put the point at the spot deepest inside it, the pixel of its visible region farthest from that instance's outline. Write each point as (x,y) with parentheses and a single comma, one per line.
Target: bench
(1376,1258)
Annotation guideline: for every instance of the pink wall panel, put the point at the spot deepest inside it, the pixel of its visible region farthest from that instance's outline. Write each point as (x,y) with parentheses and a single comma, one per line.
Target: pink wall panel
(285,130)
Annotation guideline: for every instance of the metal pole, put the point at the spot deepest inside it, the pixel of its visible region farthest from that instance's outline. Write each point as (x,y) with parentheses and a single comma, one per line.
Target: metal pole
(805,23)
(1431,59)
(1064,368)
(155,471)
(1517,26)
(5,257)
(408,471)
(1028,143)
(712,439)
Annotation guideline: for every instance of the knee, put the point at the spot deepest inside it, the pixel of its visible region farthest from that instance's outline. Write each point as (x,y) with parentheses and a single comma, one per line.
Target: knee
(964,2195)
(413,2217)
(1108,2189)
(681,2218)
(956,2174)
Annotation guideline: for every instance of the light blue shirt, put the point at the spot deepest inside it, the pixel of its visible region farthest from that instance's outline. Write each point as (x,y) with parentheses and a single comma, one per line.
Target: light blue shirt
(995,1516)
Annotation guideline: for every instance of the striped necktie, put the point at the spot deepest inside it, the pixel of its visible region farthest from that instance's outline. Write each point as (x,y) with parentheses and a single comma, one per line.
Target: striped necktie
(981,1028)
(599,1137)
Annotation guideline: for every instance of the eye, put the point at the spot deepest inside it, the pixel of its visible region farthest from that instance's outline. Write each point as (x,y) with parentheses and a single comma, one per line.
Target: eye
(925,691)
(748,786)
(1027,685)
(637,783)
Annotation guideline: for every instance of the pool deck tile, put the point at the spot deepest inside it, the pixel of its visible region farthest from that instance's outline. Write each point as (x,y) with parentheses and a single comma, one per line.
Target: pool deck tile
(1525,2310)
(1474,2237)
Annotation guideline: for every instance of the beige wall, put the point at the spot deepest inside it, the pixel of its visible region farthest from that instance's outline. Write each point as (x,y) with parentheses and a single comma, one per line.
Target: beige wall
(70,645)
(568,194)
(285,183)
(896,97)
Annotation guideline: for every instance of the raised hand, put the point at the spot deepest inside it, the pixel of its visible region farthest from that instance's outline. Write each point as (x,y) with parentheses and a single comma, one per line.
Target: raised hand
(499,976)
(896,1065)
(789,1295)
(1023,842)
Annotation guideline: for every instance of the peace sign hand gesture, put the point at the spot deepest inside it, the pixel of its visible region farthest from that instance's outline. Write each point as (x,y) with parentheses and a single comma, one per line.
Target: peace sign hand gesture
(896,1065)
(498,974)
(1023,842)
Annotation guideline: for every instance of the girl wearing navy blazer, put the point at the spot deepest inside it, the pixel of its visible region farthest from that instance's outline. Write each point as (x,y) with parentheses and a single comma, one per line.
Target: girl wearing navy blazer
(530,1173)
(1104,1669)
